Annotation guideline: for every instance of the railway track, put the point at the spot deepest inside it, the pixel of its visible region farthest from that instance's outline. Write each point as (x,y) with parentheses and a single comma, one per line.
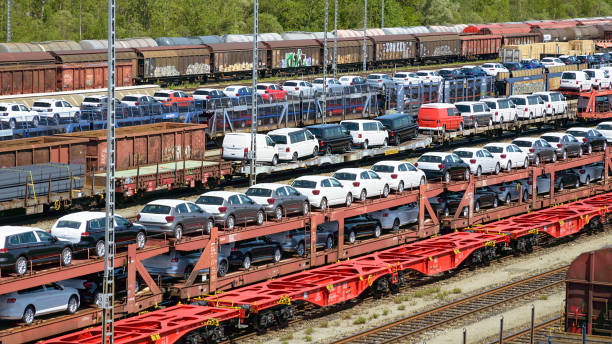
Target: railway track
(439,317)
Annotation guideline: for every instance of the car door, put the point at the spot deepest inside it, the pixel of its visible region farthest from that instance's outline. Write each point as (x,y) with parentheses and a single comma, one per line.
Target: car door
(490,159)
(35,249)
(547,150)
(365,183)
(284,199)
(311,143)
(295,198)
(199,220)
(381,133)
(269,149)
(336,189)
(49,247)
(237,209)
(516,155)
(251,208)
(123,230)
(377,183)
(57,297)
(183,215)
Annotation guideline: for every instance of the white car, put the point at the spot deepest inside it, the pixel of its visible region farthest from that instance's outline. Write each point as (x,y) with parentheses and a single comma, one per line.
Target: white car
(323,191)
(552,62)
(236,146)
(363,183)
(237,91)
(509,155)
(575,80)
(397,217)
(97,101)
(502,109)
(299,88)
(528,106)
(554,102)
(600,78)
(366,132)
(57,108)
(12,113)
(334,86)
(493,69)
(352,80)
(294,143)
(479,159)
(605,128)
(429,76)
(44,299)
(399,174)
(407,78)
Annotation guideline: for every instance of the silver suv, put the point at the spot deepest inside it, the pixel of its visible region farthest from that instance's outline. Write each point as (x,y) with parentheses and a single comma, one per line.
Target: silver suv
(279,200)
(231,208)
(175,217)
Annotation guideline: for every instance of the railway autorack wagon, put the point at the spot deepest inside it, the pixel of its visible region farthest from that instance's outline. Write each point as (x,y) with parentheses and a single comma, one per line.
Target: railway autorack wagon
(190,62)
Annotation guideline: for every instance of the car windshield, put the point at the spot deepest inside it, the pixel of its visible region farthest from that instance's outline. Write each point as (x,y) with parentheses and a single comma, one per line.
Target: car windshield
(280,139)
(156,209)
(41,104)
(351,126)
(258,192)
(464,154)
(200,93)
(494,149)
(91,100)
(383,169)
(519,101)
(551,138)
(577,133)
(430,158)
(445,72)
(210,200)
(68,224)
(463,108)
(521,143)
(422,74)
(345,176)
(129,98)
(304,184)
(161,94)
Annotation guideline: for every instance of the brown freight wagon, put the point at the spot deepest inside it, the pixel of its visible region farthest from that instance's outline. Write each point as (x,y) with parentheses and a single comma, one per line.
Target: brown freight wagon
(350,51)
(301,54)
(185,62)
(395,49)
(438,46)
(236,58)
(521,38)
(43,149)
(88,69)
(145,145)
(475,46)
(31,72)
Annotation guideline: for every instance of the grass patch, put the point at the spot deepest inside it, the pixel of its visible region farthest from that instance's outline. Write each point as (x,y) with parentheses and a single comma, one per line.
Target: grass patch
(309,330)
(346,316)
(324,324)
(432,290)
(285,342)
(401,307)
(419,293)
(543,297)
(386,311)
(374,316)
(359,321)
(288,336)
(336,323)
(406,297)
(308,338)
(397,300)
(442,295)
(456,291)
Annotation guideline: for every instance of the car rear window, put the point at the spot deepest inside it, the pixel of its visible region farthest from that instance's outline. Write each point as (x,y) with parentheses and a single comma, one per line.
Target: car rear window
(91,100)
(422,74)
(351,126)
(318,81)
(494,149)
(290,83)
(568,76)
(590,73)
(258,192)
(518,101)
(210,200)
(544,97)
(551,138)
(491,105)
(161,94)
(41,104)
(577,133)
(521,143)
(130,99)
(156,209)
(430,158)
(280,139)
(463,108)
(262,87)
(201,93)
(373,77)
(445,72)
(68,224)
(345,176)
(304,184)
(383,168)
(464,154)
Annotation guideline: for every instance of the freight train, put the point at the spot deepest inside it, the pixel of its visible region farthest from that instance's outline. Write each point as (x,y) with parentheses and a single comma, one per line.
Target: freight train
(67,65)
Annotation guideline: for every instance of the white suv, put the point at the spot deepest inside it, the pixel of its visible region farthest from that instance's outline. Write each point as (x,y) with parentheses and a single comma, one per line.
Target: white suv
(480,160)
(323,191)
(528,106)
(605,128)
(493,69)
(294,143)
(575,80)
(57,108)
(600,78)
(399,174)
(554,102)
(299,88)
(12,113)
(429,76)
(363,183)
(552,62)
(502,109)
(366,132)
(407,78)
(508,154)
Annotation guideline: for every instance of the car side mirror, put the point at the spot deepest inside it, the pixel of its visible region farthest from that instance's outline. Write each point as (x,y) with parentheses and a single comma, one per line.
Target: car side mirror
(251,202)
(54,238)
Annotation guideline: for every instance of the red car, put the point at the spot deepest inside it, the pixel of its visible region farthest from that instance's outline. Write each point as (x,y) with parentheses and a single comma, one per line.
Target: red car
(271,91)
(169,98)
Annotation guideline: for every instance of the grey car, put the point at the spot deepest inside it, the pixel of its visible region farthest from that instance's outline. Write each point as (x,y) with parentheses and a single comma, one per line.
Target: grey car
(178,264)
(231,208)
(279,200)
(297,239)
(565,144)
(509,191)
(537,149)
(44,299)
(175,217)
(590,172)
(380,81)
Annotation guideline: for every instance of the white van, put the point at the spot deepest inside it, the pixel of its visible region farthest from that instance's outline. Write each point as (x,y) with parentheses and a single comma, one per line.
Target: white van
(554,102)
(294,143)
(367,132)
(578,81)
(528,106)
(236,146)
(600,78)
(502,109)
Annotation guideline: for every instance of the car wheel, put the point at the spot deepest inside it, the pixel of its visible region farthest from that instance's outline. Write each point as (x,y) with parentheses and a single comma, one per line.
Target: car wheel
(209,225)
(423,181)
(554,158)
(604,146)
(526,163)
(98,299)
(536,160)
(349,147)
(363,195)
(577,184)
(294,157)
(525,196)
(21,266)
(328,150)
(66,256)
(260,217)
(349,200)
(531,115)
(447,176)
(561,186)
(490,122)
(400,187)
(315,152)
(274,160)
(476,206)
(329,243)
(589,149)
(446,211)
(100,248)
(73,305)
(365,144)
(495,202)
(460,127)
(478,171)
(76,118)
(475,124)
(277,255)
(397,140)
(230,222)
(351,237)
(467,174)
(187,272)
(580,153)
(564,155)
(56,118)
(323,204)
(246,262)
(141,240)
(35,122)
(278,213)
(28,315)
(508,199)
(497,168)
(305,208)
(377,231)
(466,212)
(509,166)
(385,191)
(301,249)
(178,232)
(222,268)
(587,180)
(12,123)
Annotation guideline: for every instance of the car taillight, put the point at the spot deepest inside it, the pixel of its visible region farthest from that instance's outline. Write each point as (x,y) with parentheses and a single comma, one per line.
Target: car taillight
(297,88)
(394,176)
(441,166)
(576,82)
(271,200)
(87,284)
(48,110)
(416,164)
(503,188)
(11,300)
(355,183)
(316,192)
(138,217)
(531,150)
(246,150)
(136,103)
(392,133)
(288,236)
(352,83)
(526,109)
(85,234)
(549,106)
(222,209)
(472,161)
(496,113)
(322,143)
(559,145)
(169,219)
(581,171)
(3,250)
(287,149)
(584,139)
(360,136)
(174,260)
(237,94)
(440,200)
(385,214)
(207,97)
(379,80)
(503,156)
(471,117)
(234,249)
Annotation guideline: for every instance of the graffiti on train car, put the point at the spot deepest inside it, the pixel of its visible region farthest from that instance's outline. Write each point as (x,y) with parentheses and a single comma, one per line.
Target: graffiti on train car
(296,59)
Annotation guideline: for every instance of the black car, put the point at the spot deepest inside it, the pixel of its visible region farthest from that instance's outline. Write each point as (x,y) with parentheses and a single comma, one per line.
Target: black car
(569,60)
(443,165)
(473,71)
(362,225)
(211,97)
(90,286)
(566,178)
(483,198)
(513,66)
(602,57)
(401,127)
(591,138)
(332,138)
(585,59)
(448,73)
(21,245)
(254,250)
(298,240)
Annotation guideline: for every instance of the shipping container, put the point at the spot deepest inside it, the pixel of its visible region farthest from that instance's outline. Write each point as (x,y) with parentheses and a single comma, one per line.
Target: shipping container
(165,63)
(350,50)
(44,149)
(22,73)
(145,144)
(395,48)
(480,45)
(286,54)
(438,46)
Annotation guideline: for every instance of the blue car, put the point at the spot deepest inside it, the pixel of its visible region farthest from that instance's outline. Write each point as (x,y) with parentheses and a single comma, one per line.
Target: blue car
(473,71)
(531,64)
(512,66)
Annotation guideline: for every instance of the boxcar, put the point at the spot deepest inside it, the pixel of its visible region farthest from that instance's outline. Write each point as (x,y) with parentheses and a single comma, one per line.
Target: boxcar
(236,58)
(186,62)
(480,46)
(438,46)
(394,49)
(521,38)
(303,54)
(350,51)
(34,72)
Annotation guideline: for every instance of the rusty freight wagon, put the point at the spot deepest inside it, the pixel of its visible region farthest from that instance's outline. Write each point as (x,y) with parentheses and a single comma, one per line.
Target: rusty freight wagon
(236,58)
(302,54)
(88,69)
(41,150)
(438,46)
(31,72)
(393,49)
(188,62)
(350,51)
(480,46)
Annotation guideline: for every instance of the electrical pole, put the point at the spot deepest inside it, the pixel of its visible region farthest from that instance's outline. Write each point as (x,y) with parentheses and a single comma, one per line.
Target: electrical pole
(108,298)
(325,63)
(365,27)
(80,20)
(252,177)
(8,20)
(335,39)
(382,19)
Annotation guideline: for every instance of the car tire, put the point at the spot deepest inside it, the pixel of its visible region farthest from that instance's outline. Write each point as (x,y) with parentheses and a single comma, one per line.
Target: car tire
(315,152)
(73,304)
(329,243)
(446,211)
(278,213)
(351,237)
(508,200)
(349,200)
(377,231)
(246,262)
(476,206)
(525,196)
(589,149)
(260,217)
(275,160)
(56,118)
(526,163)
(497,168)
(300,249)
(76,118)
(97,299)
(365,144)
(28,315)
(466,212)
(509,166)
(66,256)
(478,171)
(277,255)
(495,202)
(400,187)
(230,222)
(577,184)
(490,122)
(580,153)
(587,181)
(305,208)
(385,191)
(554,158)
(423,180)
(323,205)
(328,150)
(604,146)
(100,248)
(177,233)
(35,122)
(564,155)
(363,195)
(536,160)
(294,158)
(447,177)
(397,140)
(561,186)
(187,272)
(141,240)
(210,223)
(222,268)
(460,127)
(21,266)
(13,123)
(467,174)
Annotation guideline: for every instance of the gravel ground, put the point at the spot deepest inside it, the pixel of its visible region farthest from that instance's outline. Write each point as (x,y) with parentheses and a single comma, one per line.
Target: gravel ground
(465,283)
